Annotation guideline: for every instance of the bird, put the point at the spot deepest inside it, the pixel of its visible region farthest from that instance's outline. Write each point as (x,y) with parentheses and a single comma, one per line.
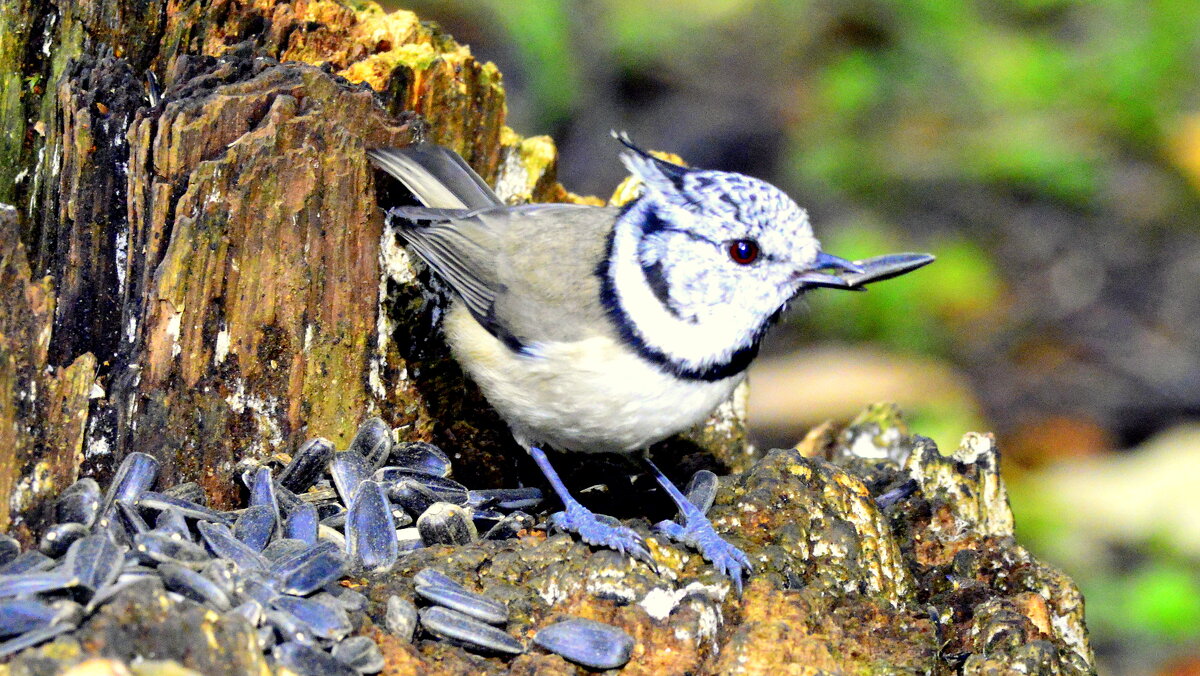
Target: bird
(607,329)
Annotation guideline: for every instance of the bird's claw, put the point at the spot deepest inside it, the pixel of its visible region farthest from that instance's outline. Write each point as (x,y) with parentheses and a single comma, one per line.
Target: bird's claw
(698,532)
(602,531)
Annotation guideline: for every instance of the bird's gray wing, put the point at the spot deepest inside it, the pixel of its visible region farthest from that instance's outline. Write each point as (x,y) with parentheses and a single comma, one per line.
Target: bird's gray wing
(548,267)
(436,176)
(526,273)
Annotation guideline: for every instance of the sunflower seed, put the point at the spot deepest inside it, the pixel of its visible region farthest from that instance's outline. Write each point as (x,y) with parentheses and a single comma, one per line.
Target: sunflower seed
(301,524)
(262,492)
(359,653)
(57,539)
(435,578)
(130,519)
(446,523)
(505,499)
(310,569)
(254,526)
(283,548)
(419,456)
(370,529)
(256,586)
(511,526)
(170,522)
(194,586)
(288,501)
(135,476)
(94,561)
(79,503)
(373,442)
(446,490)
(18,616)
(323,620)
(455,627)
(158,548)
(702,490)
(348,469)
(412,496)
(468,603)
(25,584)
(400,618)
(309,661)
(289,627)
(31,561)
(307,465)
(189,509)
(222,543)
(592,644)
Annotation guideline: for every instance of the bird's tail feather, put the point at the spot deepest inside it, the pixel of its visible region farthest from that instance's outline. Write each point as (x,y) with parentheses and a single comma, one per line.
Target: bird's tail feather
(438,177)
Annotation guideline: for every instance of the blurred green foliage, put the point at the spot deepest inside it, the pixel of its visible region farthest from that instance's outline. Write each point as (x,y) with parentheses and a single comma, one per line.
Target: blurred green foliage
(914,313)
(1163,597)
(1142,595)
(1035,94)
(541,36)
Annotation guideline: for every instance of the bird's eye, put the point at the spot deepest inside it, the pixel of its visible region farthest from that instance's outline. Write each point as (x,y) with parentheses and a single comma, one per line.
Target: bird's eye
(743,251)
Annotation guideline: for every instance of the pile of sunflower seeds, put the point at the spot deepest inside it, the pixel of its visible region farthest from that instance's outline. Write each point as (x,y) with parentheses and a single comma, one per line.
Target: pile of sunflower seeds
(324,515)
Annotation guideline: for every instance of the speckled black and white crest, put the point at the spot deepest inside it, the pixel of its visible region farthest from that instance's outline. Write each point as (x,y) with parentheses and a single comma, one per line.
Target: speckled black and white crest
(674,286)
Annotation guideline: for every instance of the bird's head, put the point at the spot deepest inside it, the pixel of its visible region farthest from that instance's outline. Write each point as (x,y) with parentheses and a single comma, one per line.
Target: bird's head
(705,260)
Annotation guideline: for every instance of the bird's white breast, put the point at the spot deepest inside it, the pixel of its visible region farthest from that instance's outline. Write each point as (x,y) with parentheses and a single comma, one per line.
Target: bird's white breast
(591,395)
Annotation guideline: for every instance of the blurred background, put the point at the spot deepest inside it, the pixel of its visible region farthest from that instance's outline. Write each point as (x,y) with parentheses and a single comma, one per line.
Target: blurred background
(1048,151)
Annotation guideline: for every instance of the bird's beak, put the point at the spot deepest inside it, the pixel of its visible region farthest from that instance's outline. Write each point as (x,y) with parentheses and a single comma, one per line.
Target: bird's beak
(858,273)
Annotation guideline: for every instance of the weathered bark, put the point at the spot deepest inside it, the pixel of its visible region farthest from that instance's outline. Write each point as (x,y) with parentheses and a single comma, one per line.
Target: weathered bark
(42,410)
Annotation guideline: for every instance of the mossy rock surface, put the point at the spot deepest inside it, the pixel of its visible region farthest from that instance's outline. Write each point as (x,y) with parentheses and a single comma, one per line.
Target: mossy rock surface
(851,576)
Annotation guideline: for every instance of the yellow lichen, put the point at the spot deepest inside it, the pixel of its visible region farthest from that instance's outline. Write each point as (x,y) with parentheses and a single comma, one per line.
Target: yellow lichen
(537,153)
(802,471)
(97,667)
(321,11)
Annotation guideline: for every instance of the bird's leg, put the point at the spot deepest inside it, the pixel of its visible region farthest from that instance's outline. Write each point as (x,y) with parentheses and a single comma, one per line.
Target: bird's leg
(698,532)
(595,529)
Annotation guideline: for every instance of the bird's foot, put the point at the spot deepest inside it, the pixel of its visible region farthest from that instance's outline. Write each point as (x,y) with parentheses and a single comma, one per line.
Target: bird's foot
(697,532)
(601,530)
